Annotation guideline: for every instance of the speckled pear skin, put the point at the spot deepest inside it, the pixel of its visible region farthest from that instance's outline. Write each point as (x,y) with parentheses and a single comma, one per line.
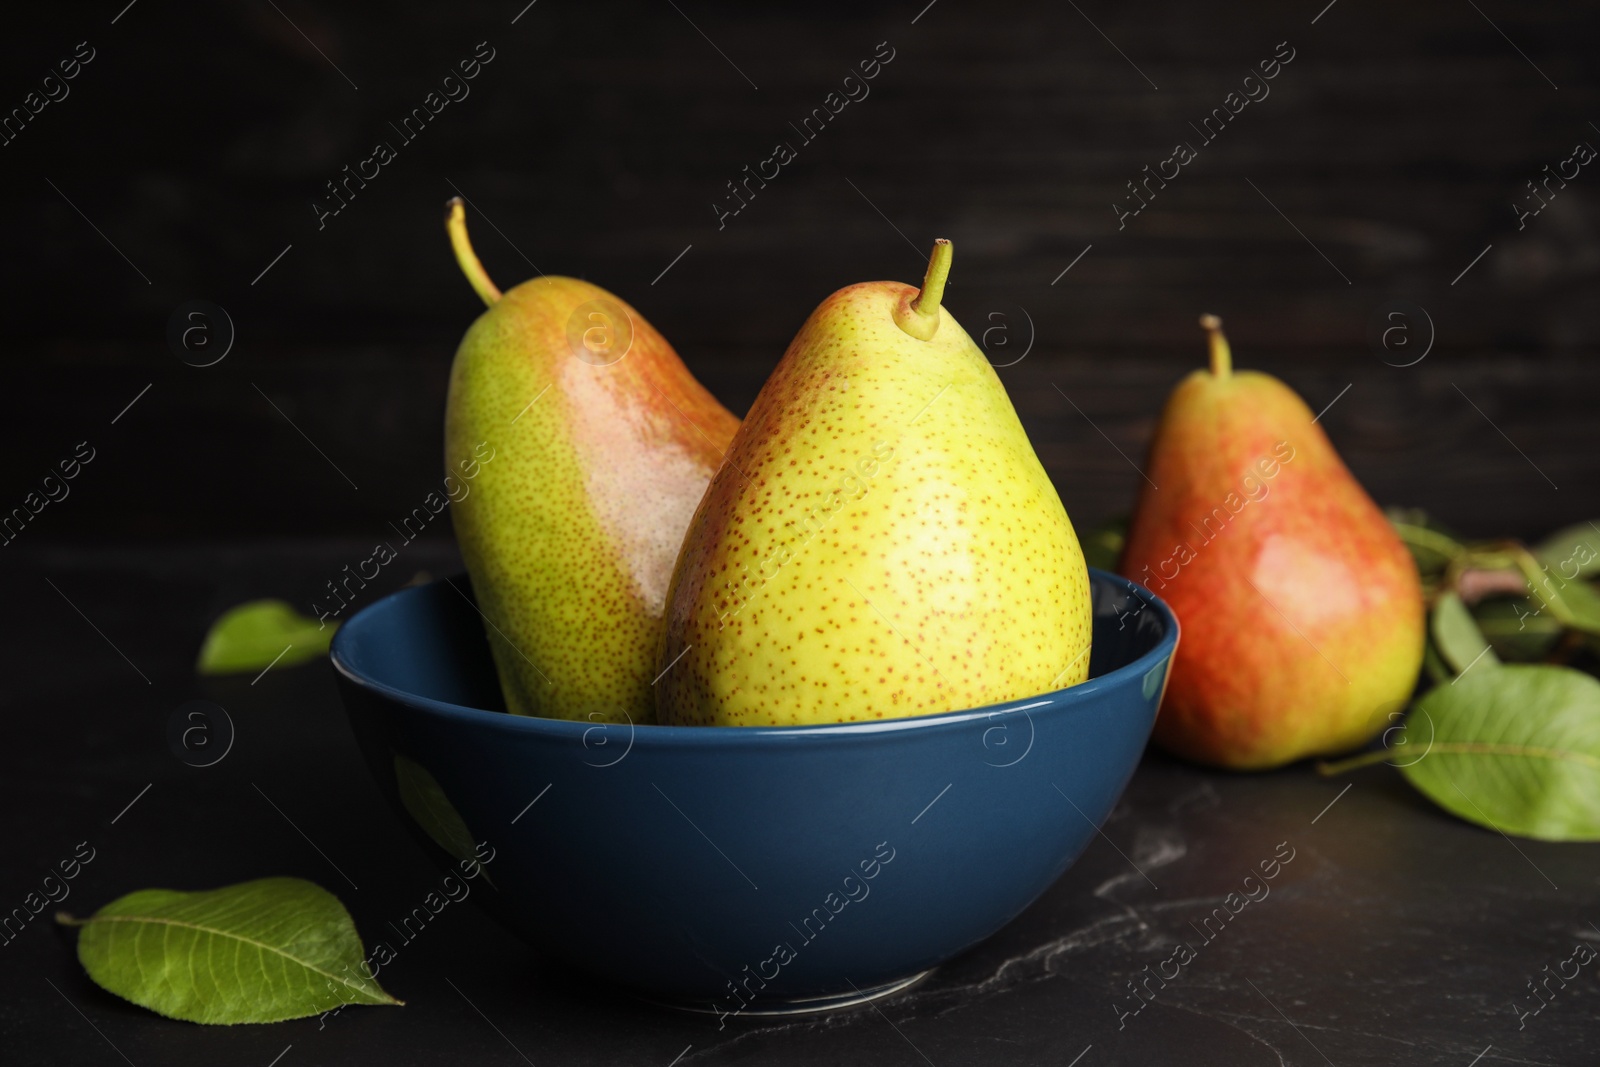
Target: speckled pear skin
(881,542)
(571,529)
(1302,611)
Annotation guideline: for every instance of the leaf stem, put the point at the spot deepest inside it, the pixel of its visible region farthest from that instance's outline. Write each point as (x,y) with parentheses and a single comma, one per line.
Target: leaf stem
(1329,769)
(1534,571)
(1422,537)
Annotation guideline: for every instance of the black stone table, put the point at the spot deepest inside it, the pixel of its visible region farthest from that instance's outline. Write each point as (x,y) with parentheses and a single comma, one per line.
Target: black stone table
(1391,933)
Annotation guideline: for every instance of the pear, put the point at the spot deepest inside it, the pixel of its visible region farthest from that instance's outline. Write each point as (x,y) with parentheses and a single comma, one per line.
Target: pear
(881,540)
(1302,612)
(578,445)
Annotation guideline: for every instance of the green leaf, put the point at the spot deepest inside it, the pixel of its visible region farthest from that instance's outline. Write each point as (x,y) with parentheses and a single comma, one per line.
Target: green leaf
(1516,749)
(424,799)
(1102,547)
(1578,605)
(1431,545)
(1573,603)
(1434,663)
(1461,644)
(1572,552)
(253,636)
(257,952)
(1517,629)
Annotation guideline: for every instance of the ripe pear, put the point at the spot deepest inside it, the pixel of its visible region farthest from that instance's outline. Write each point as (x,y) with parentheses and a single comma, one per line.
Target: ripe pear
(582,445)
(881,540)
(1302,612)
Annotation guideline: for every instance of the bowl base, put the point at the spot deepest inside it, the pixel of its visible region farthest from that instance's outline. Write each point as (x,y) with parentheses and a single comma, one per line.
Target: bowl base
(799,1005)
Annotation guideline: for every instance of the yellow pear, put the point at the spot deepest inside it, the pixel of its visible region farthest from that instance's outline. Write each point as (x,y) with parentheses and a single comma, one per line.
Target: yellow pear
(880,540)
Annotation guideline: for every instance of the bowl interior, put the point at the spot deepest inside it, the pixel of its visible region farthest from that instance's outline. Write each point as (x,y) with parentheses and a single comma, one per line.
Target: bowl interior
(428,645)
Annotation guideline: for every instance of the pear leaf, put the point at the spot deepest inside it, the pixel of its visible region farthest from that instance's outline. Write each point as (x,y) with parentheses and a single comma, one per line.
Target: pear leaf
(1431,545)
(1102,546)
(1456,634)
(424,799)
(1516,628)
(259,634)
(256,952)
(1434,664)
(1574,603)
(1573,551)
(1515,749)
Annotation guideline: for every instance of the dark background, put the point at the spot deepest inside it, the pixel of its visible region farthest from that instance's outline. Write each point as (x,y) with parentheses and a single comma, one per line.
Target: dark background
(597,140)
(594,144)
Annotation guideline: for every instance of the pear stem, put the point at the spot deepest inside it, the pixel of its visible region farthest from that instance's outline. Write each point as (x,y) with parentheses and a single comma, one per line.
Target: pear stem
(919,316)
(933,280)
(455,222)
(1221,354)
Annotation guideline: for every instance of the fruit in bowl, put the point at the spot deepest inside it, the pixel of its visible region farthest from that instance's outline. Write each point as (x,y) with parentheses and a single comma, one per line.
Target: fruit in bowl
(881,540)
(749,870)
(911,728)
(599,444)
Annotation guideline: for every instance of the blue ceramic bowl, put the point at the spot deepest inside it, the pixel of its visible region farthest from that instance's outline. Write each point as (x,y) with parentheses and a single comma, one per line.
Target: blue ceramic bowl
(746,870)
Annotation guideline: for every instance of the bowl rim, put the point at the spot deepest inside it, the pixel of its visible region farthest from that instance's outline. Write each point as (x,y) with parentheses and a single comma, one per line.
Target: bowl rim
(1055,700)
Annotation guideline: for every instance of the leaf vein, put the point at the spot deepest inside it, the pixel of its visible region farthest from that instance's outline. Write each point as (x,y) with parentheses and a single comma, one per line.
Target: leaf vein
(359,987)
(1496,748)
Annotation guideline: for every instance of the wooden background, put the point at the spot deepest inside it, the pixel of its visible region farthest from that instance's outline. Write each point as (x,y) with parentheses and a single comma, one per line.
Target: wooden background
(597,140)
